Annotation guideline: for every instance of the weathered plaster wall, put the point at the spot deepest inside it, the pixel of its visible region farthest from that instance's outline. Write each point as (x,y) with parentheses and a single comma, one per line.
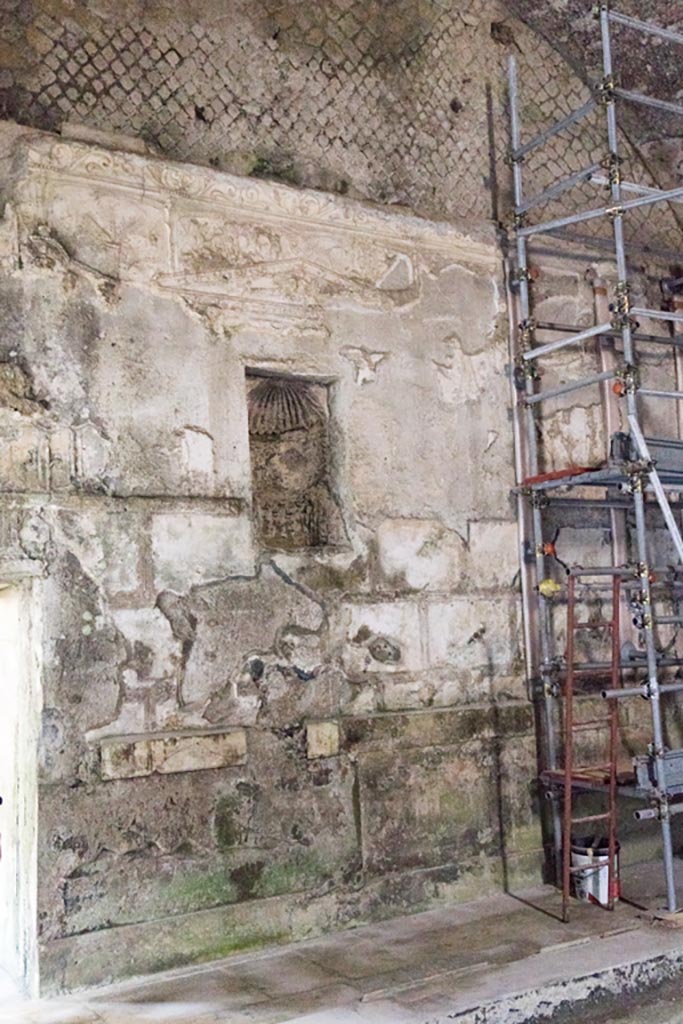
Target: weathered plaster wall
(243,745)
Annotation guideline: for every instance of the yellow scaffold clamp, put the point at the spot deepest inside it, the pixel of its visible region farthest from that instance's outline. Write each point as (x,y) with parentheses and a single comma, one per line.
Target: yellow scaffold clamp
(549,588)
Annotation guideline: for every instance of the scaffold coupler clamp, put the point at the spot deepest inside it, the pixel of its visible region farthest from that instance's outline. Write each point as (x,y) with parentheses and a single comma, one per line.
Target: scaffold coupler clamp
(523,274)
(524,371)
(627,380)
(517,221)
(605,90)
(638,472)
(643,572)
(599,8)
(612,164)
(623,297)
(527,332)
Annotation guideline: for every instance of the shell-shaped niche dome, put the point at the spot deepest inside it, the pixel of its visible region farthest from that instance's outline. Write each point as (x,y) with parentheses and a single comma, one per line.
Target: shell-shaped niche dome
(277,406)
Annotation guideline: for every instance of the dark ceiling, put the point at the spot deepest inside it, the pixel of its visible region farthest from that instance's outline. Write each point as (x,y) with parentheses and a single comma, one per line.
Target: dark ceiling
(642,63)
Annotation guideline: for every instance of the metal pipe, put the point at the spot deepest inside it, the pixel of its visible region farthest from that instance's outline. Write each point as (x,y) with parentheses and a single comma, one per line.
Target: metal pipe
(565,389)
(555,346)
(624,691)
(603,244)
(631,665)
(559,188)
(644,26)
(549,700)
(652,393)
(639,691)
(658,196)
(631,186)
(658,314)
(644,453)
(669,442)
(648,813)
(648,101)
(592,503)
(560,222)
(602,570)
(529,623)
(678,369)
(611,416)
(545,325)
(632,409)
(519,151)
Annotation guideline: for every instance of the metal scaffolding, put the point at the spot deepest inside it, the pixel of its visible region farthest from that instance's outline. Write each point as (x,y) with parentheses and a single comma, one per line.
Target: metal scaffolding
(639,483)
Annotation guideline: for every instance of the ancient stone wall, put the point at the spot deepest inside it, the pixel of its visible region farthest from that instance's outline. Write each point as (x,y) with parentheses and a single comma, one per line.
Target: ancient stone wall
(256,728)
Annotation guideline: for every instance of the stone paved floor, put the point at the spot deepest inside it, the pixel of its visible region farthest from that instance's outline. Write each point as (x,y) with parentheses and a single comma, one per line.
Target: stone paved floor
(404,971)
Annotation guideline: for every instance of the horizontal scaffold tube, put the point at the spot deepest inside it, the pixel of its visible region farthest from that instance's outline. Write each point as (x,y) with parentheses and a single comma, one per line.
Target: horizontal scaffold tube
(565,389)
(632,186)
(656,196)
(639,691)
(650,813)
(645,26)
(656,339)
(658,314)
(553,346)
(649,101)
(653,393)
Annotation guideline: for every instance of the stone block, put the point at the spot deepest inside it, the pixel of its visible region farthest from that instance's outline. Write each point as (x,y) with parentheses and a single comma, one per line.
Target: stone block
(418,554)
(149,635)
(493,555)
(382,637)
(194,548)
(322,739)
(127,757)
(472,633)
(24,457)
(428,807)
(107,545)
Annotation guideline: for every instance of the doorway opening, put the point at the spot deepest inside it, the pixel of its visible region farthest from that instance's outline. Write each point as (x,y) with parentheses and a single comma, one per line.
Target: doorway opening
(19,725)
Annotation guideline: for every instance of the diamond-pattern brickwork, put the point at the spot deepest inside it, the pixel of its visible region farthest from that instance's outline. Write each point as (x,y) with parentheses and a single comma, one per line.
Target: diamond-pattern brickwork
(399,102)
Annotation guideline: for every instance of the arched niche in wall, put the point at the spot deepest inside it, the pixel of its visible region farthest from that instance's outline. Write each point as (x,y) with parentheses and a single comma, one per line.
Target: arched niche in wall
(290,446)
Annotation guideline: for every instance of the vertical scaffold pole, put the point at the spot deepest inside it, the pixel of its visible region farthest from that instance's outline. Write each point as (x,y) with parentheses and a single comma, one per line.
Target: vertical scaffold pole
(623,308)
(545,668)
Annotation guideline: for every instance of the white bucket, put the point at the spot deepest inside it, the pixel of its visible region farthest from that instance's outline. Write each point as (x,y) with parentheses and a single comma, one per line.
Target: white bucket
(592,885)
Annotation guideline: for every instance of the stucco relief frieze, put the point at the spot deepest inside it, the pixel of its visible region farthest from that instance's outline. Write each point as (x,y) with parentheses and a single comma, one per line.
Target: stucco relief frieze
(194,190)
